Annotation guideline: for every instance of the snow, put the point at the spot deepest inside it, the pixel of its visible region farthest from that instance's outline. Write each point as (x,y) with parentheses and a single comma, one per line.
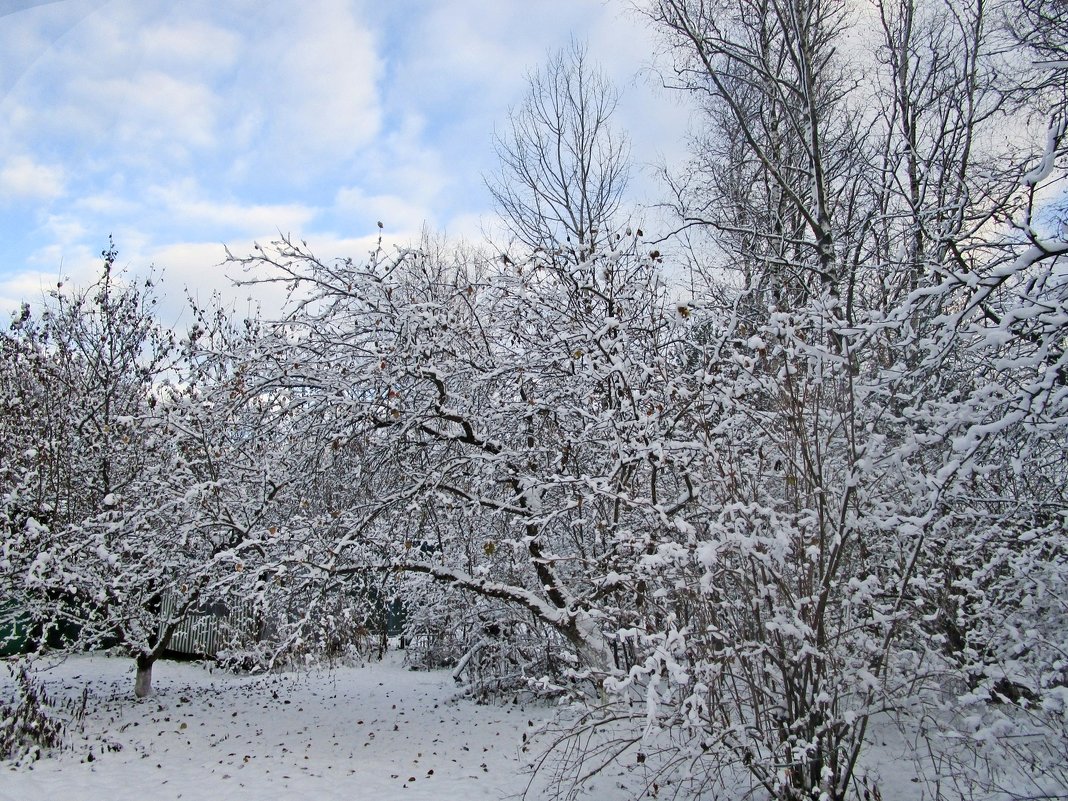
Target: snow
(1049,156)
(380,731)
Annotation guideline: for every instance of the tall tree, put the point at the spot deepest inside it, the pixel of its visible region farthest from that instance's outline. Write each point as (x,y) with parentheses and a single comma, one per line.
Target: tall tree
(860,389)
(563,166)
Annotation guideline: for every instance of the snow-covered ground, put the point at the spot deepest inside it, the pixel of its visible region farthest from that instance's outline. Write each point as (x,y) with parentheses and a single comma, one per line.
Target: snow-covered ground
(379,732)
(376,732)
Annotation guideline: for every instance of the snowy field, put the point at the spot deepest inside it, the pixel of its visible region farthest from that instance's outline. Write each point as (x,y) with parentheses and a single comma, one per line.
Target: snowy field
(377,732)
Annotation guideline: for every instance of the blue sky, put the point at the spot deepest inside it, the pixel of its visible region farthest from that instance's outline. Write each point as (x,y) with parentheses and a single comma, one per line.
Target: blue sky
(180,126)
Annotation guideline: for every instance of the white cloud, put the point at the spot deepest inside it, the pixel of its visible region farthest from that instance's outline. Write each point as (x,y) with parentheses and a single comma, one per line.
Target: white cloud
(475,228)
(489,43)
(198,270)
(30,31)
(74,265)
(150,114)
(474,56)
(316,80)
(190,46)
(365,210)
(65,229)
(655,119)
(28,286)
(107,204)
(22,177)
(357,248)
(119,82)
(179,126)
(184,205)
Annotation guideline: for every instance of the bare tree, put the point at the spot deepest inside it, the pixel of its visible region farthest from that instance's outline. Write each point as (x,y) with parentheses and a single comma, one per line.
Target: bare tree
(1041,27)
(884,241)
(563,166)
(778,149)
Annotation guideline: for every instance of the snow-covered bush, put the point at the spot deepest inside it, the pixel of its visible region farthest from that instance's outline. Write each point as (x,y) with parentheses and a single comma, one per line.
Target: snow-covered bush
(493,651)
(28,724)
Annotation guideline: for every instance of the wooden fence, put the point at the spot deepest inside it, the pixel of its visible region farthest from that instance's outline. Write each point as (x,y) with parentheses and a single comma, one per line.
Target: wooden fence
(212,628)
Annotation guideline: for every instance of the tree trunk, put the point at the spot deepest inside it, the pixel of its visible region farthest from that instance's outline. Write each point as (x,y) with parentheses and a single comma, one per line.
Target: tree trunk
(591,648)
(143,682)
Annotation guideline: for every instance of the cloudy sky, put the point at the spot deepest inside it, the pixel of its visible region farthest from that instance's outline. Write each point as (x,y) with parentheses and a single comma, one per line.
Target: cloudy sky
(180,126)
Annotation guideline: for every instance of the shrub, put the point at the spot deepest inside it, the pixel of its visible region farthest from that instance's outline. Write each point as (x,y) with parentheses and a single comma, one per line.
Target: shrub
(27,724)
